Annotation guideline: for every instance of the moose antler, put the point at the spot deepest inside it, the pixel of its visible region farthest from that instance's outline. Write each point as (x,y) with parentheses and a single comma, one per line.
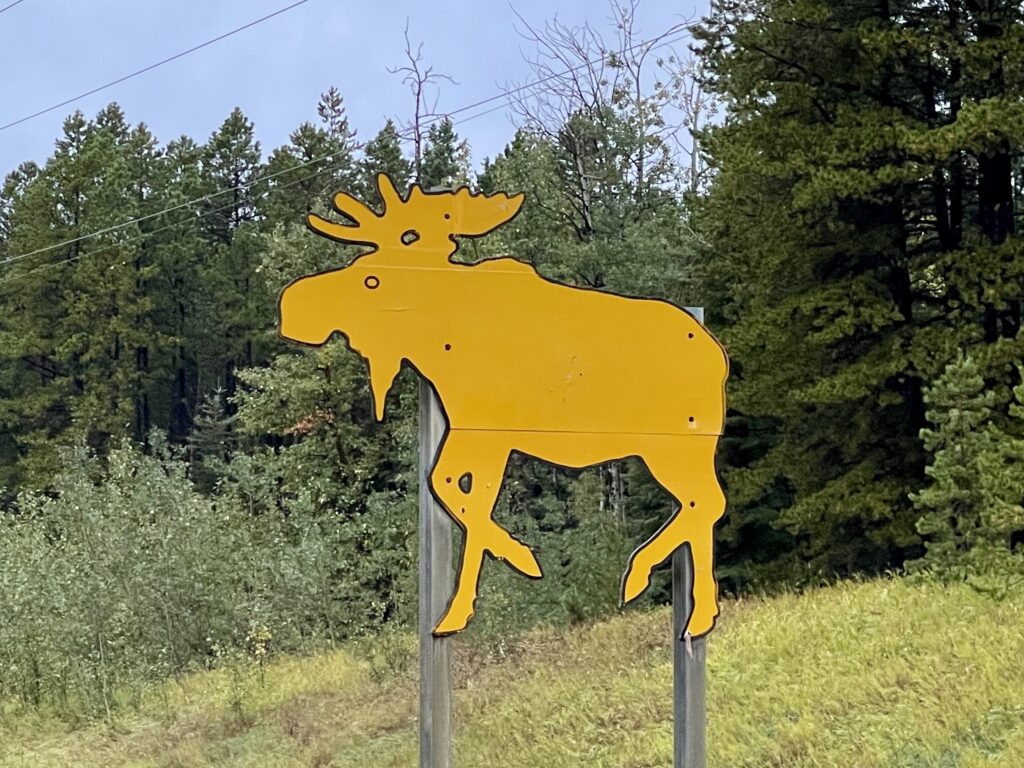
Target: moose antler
(425,222)
(369,228)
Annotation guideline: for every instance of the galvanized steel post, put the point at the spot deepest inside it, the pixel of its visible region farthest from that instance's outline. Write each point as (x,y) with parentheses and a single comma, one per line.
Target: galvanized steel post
(689,661)
(436,580)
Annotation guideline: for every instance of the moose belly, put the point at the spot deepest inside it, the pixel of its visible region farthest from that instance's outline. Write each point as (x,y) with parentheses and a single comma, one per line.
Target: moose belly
(631,400)
(607,366)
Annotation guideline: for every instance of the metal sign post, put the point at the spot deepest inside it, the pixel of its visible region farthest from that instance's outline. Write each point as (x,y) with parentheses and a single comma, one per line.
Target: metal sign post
(689,660)
(436,579)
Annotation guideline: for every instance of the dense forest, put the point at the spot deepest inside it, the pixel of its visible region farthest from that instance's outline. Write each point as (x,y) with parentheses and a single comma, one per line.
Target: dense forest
(838,183)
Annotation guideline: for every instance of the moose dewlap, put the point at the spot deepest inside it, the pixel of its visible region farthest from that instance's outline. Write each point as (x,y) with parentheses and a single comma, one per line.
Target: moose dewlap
(519,363)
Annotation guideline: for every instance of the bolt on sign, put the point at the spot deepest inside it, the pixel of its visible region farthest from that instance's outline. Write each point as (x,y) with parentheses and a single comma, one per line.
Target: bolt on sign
(572,376)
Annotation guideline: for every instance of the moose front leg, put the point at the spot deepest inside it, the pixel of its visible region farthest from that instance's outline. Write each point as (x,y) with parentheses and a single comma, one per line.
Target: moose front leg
(466,479)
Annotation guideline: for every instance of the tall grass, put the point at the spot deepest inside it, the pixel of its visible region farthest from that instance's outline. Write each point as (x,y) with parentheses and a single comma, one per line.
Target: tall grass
(882,674)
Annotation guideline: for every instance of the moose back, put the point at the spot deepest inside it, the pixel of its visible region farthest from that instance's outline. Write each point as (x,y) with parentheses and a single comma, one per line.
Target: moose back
(572,376)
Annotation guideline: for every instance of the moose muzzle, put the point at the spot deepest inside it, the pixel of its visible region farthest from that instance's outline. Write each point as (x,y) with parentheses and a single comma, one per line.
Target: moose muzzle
(305,309)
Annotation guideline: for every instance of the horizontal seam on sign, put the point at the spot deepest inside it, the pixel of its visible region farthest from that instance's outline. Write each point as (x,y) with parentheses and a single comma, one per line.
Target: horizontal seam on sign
(447,268)
(586,432)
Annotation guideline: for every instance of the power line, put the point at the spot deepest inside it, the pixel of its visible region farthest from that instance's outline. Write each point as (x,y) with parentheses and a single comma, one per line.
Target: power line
(663,41)
(404,134)
(172,209)
(145,235)
(206,198)
(151,67)
(8,7)
(463,120)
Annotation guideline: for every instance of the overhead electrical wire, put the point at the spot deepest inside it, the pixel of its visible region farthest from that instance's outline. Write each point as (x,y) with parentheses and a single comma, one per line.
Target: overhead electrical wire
(8,7)
(151,67)
(172,209)
(206,198)
(432,119)
(145,235)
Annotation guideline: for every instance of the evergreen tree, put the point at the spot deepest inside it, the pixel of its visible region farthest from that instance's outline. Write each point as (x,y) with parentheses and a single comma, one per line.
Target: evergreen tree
(383,154)
(319,161)
(14,186)
(182,296)
(81,325)
(973,507)
(853,245)
(330,464)
(445,158)
(108,329)
(237,308)
(331,109)
(212,441)
(232,162)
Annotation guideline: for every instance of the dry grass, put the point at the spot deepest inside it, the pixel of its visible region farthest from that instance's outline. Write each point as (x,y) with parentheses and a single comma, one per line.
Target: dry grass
(878,674)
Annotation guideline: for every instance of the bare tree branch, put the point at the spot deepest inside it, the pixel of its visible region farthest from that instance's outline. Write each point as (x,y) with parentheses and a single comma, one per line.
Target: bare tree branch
(593,91)
(422,81)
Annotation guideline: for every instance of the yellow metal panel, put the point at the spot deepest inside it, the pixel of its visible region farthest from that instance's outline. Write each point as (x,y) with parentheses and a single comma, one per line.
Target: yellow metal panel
(572,376)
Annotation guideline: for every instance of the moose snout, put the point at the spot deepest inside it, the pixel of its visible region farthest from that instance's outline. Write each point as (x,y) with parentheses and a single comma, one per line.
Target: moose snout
(303,309)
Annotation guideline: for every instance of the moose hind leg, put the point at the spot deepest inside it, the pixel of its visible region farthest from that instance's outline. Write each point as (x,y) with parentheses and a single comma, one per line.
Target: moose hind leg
(466,479)
(687,472)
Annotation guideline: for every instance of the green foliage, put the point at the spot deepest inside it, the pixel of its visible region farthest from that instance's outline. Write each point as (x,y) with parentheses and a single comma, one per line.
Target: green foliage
(383,154)
(123,572)
(76,341)
(232,162)
(582,545)
(327,456)
(860,229)
(318,161)
(445,160)
(972,509)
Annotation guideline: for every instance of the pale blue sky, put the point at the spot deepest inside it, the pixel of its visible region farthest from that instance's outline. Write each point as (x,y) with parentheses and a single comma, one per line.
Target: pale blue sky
(51,50)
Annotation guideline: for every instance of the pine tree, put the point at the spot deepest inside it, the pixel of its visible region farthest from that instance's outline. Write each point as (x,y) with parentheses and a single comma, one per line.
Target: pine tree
(318,161)
(212,441)
(973,506)
(232,162)
(383,154)
(238,310)
(80,327)
(331,109)
(14,186)
(180,293)
(445,158)
(108,327)
(853,246)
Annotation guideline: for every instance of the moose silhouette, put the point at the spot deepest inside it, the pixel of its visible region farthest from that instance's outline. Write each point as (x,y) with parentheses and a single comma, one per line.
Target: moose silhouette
(572,376)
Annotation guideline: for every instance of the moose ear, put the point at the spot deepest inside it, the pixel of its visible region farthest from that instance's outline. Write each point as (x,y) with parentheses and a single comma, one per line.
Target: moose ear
(478,214)
(515,202)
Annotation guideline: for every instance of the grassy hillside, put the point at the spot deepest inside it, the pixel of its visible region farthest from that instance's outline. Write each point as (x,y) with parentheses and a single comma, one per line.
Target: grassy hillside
(859,675)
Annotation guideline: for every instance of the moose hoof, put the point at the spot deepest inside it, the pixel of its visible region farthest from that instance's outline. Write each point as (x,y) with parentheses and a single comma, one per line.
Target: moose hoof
(636,581)
(520,557)
(453,621)
(702,620)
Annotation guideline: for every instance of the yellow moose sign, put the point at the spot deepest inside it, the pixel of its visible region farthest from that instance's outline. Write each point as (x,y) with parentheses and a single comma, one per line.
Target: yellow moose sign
(573,376)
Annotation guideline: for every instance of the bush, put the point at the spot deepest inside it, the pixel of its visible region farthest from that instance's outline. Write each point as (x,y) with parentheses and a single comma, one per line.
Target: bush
(122,572)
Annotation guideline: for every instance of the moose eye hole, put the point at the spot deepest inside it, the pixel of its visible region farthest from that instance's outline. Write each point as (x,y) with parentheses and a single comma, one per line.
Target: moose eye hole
(371,282)
(410,236)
